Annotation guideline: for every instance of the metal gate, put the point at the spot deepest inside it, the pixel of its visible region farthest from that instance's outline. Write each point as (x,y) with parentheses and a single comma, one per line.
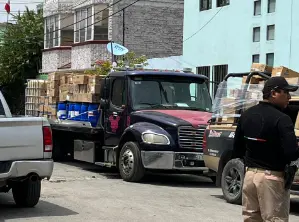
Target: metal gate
(204,70)
(219,72)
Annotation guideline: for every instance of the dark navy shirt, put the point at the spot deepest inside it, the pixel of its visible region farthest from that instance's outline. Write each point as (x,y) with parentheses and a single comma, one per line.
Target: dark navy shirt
(265,138)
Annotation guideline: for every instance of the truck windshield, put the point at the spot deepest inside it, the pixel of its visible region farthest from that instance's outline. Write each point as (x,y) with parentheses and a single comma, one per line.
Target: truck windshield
(170,93)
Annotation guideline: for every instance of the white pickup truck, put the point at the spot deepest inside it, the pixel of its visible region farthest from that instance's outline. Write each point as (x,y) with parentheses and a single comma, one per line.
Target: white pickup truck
(25,155)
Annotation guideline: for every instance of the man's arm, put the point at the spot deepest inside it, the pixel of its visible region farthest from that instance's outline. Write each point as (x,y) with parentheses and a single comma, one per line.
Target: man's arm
(288,138)
(239,148)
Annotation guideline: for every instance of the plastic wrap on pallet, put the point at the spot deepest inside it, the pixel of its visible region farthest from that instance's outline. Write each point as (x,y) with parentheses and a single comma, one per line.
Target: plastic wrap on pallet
(232,97)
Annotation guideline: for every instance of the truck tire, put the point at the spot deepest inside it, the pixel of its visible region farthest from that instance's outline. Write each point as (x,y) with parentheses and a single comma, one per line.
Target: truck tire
(232,181)
(27,193)
(130,165)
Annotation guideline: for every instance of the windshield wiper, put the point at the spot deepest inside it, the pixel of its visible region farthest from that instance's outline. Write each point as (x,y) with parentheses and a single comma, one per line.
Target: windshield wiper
(153,105)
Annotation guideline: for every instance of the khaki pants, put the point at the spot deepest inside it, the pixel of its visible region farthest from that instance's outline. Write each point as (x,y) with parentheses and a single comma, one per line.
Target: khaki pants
(264,197)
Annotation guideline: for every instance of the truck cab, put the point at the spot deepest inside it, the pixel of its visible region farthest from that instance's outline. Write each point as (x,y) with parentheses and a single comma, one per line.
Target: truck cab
(149,121)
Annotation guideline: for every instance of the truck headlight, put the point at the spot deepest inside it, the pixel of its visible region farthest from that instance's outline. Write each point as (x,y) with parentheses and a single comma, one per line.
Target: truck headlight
(154,138)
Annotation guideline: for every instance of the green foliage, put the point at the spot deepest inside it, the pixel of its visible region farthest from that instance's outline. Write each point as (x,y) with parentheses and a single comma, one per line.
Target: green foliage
(102,68)
(130,59)
(20,55)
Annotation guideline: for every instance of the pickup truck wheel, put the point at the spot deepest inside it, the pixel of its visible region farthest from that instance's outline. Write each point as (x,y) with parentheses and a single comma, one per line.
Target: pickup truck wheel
(27,193)
(130,164)
(232,181)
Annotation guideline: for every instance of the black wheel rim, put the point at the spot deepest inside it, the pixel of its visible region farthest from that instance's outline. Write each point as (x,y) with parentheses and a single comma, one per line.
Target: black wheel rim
(233,182)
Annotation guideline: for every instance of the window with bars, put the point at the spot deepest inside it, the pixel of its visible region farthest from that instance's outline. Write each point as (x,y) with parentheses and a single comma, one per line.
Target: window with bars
(205,5)
(204,70)
(219,72)
(52,25)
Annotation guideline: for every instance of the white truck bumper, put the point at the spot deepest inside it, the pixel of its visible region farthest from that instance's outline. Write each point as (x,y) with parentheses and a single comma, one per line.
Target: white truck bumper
(21,168)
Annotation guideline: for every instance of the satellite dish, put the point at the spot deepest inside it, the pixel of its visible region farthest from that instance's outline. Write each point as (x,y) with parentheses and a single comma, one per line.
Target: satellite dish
(117,49)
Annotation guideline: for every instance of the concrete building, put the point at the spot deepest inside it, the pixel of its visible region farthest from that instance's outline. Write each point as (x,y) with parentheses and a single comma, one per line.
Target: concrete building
(153,28)
(231,34)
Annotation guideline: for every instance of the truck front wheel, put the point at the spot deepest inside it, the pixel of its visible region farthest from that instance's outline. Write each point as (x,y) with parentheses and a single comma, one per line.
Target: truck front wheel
(232,181)
(130,165)
(27,192)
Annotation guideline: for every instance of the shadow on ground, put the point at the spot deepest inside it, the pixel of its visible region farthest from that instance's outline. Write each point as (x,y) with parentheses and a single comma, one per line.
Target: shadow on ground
(8,209)
(158,179)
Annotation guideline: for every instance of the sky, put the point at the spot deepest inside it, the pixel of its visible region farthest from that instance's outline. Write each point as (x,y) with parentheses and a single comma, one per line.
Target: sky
(15,6)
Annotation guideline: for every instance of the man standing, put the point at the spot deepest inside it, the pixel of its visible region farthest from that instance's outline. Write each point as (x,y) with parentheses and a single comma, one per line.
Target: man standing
(266,140)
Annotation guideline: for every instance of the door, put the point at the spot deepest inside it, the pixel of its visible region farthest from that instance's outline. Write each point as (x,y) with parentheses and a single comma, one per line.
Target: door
(116,113)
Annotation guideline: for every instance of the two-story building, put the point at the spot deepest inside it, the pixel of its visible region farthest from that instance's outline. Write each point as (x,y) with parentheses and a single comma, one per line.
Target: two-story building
(77,32)
(231,34)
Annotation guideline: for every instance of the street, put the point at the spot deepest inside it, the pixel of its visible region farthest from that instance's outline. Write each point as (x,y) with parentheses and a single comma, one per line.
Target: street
(83,192)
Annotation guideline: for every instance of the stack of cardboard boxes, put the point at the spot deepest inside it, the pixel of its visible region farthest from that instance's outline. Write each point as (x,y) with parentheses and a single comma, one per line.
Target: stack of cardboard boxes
(232,104)
(71,87)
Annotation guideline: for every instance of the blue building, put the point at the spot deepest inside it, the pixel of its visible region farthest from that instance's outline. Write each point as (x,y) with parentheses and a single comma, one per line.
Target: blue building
(222,36)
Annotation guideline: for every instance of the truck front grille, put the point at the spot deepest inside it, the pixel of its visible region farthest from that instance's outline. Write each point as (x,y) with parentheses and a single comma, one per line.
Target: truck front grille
(191,138)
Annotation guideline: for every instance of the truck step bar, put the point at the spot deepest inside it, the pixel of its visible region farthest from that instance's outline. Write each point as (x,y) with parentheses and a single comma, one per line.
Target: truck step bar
(109,147)
(102,164)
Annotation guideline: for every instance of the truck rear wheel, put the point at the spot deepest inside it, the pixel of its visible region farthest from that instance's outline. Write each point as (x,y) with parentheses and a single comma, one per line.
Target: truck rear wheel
(130,165)
(27,193)
(232,181)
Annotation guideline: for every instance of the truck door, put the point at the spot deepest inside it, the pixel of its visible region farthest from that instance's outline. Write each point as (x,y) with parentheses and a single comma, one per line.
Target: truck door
(115,115)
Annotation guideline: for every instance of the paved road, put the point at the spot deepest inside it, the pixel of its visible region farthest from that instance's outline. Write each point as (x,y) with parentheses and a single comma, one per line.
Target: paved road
(82,192)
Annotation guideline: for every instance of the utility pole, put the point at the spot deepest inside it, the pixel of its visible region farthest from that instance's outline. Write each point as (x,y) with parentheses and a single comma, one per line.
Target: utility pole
(124,27)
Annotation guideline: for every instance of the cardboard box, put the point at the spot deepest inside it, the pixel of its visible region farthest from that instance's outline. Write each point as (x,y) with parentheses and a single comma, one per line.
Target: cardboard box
(53,100)
(95,80)
(297,122)
(229,105)
(65,96)
(254,80)
(80,79)
(70,79)
(43,108)
(53,92)
(54,76)
(293,81)
(82,88)
(94,89)
(53,84)
(259,67)
(285,72)
(86,98)
(65,88)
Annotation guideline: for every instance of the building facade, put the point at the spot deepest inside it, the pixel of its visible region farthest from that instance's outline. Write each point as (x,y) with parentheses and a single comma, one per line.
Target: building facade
(77,32)
(231,34)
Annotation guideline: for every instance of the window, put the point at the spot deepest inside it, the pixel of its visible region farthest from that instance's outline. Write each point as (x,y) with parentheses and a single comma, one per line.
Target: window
(270,32)
(83,26)
(118,97)
(204,70)
(257,7)
(256,58)
(271,6)
(92,24)
(169,93)
(52,25)
(221,3)
(256,34)
(205,5)
(270,59)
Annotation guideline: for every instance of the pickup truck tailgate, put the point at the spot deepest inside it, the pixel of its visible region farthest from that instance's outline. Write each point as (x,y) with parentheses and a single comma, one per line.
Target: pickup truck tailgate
(21,138)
